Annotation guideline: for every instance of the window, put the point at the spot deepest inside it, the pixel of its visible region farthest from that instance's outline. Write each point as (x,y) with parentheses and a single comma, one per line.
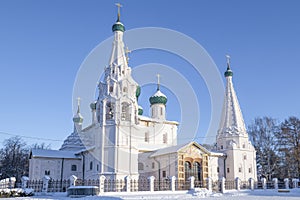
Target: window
(124,89)
(245,157)
(125,115)
(165,138)
(250,170)
(74,168)
(140,166)
(187,169)
(228,170)
(97,167)
(161,111)
(197,171)
(218,170)
(153,165)
(47,172)
(111,88)
(240,169)
(164,174)
(91,165)
(244,146)
(221,146)
(146,137)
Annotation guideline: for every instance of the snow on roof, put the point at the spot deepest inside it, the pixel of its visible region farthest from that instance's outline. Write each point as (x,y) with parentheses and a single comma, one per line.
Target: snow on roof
(149,119)
(169,150)
(158,93)
(45,153)
(177,148)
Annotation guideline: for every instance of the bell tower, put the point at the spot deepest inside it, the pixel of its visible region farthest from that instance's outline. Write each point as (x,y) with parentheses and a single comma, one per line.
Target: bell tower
(232,137)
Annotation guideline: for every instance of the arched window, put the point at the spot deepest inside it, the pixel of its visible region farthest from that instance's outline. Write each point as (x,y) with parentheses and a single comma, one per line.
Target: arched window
(187,170)
(125,115)
(91,165)
(197,171)
(140,166)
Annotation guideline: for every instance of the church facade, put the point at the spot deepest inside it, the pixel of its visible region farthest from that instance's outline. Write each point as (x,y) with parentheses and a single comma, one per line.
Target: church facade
(121,141)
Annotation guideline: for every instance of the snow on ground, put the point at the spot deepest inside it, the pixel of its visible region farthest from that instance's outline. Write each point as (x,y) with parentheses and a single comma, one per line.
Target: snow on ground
(182,195)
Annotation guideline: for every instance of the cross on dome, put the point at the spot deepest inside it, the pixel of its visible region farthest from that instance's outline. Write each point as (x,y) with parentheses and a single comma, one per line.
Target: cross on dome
(119,8)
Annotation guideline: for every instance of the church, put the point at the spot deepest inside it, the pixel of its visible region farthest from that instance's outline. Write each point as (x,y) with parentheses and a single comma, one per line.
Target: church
(120,141)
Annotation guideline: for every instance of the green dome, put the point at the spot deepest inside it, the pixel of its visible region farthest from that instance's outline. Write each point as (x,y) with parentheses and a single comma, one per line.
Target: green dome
(228,72)
(140,110)
(78,118)
(138,91)
(93,105)
(118,26)
(158,98)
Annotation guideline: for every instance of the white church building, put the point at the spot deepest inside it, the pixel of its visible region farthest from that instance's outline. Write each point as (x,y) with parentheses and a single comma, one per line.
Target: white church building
(121,141)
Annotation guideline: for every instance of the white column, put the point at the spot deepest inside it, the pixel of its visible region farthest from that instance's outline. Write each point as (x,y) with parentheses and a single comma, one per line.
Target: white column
(286,183)
(295,182)
(192,182)
(173,179)
(127,182)
(45,183)
(209,184)
(101,184)
(275,180)
(223,179)
(264,183)
(151,183)
(24,180)
(73,180)
(237,182)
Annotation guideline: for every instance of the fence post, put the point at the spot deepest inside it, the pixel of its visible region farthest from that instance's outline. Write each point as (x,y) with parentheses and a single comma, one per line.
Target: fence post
(101,184)
(173,179)
(223,179)
(251,180)
(24,181)
(264,183)
(209,184)
(286,183)
(151,183)
(192,182)
(237,182)
(45,183)
(73,180)
(127,183)
(275,180)
(295,182)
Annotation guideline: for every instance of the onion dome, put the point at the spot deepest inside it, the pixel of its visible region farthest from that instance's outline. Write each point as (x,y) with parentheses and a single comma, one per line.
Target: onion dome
(140,110)
(118,26)
(158,98)
(93,105)
(228,71)
(78,118)
(138,91)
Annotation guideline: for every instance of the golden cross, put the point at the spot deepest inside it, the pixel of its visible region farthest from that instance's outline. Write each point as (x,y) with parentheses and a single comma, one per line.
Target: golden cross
(119,6)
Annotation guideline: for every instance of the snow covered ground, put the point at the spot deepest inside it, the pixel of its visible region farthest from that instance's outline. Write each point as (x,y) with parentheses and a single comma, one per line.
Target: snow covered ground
(183,195)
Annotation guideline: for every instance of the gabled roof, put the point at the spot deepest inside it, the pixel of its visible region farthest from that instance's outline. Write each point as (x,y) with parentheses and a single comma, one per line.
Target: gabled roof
(45,153)
(179,147)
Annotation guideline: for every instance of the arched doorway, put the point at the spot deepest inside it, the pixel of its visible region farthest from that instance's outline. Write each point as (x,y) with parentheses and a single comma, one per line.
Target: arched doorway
(194,170)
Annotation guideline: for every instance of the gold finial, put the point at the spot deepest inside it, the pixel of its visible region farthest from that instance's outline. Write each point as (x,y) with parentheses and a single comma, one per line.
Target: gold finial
(127,51)
(78,105)
(228,61)
(158,81)
(119,6)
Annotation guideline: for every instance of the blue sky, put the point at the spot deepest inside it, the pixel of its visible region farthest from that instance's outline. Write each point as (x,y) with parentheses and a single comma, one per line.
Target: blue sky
(43,43)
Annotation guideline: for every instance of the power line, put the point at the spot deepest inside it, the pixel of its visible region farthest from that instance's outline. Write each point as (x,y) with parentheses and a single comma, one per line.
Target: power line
(30,137)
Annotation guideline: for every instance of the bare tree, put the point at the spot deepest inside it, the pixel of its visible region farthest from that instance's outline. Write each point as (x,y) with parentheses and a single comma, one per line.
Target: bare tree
(263,134)
(290,146)
(14,158)
(40,146)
